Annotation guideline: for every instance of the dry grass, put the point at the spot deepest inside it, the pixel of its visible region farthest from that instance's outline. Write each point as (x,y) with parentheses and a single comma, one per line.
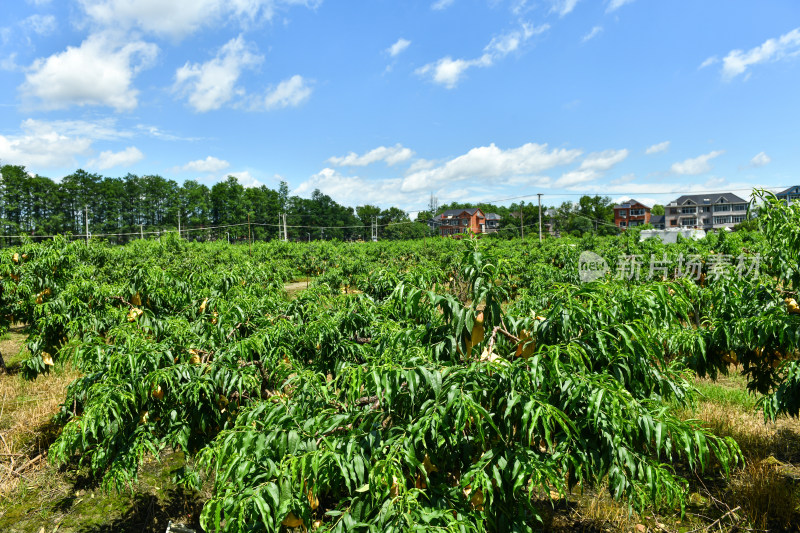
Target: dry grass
(26,410)
(761,495)
(764,489)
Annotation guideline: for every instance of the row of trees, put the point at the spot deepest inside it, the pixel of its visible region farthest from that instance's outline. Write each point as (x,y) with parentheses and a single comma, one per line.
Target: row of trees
(35,205)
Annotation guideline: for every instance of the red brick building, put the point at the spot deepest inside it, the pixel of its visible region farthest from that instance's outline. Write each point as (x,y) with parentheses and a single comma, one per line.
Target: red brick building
(631,213)
(460,221)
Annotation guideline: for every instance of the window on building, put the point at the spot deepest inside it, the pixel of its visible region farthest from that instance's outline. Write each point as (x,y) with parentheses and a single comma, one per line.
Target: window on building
(737,219)
(673,222)
(688,210)
(637,212)
(722,208)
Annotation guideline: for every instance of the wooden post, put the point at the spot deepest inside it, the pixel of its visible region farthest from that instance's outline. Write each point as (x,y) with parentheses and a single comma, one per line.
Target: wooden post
(86,221)
(249,238)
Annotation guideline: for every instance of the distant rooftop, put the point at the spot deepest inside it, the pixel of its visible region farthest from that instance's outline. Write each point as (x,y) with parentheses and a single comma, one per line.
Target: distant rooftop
(629,203)
(708,199)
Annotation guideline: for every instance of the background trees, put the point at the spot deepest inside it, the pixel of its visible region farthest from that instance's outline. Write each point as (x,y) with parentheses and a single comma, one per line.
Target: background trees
(36,205)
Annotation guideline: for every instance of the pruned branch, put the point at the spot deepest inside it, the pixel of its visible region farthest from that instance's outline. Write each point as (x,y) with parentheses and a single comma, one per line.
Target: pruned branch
(502,330)
(121,299)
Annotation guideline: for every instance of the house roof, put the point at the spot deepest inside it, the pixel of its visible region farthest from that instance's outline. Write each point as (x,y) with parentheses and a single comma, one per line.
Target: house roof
(794,189)
(630,203)
(455,212)
(493,216)
(657,219)
(708,199)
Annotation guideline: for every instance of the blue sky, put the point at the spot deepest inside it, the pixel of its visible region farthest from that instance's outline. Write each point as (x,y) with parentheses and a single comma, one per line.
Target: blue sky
(386,102)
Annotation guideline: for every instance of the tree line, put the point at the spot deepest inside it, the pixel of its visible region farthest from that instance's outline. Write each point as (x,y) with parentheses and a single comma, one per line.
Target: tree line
(36,206)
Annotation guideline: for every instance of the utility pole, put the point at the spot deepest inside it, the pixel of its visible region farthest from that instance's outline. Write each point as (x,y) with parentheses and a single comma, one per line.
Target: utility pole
(285,233)
(141,231)
(86,221)
(522,219)
(249,238)
(374,229)
(179,223)
(540,216)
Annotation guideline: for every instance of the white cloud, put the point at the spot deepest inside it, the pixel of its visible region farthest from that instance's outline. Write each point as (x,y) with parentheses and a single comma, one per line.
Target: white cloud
(737,61)
(441,4)
(289,93)
(597,30)
(108,159)
(592,167)
(696,165)
(563,7)
(212,84)
(352,190)
(390,154)
(179,18)
(10,62)
(448,71)
(490,163)
(40,24)
(603,160)
(576,177)
(613,5)
(245,179)
(41,145)
(708,62)
(398,47)
(209,164)
(98,72)
(103,129)
(158,133)
(421,164)
(760,159)
(656,148)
